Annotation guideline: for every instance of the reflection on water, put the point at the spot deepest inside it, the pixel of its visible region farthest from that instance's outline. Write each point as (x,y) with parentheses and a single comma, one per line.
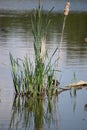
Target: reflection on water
(68,112)
(72,114)
(31,113)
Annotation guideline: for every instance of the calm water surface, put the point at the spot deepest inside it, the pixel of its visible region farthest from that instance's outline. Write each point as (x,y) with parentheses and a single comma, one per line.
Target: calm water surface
(65,111)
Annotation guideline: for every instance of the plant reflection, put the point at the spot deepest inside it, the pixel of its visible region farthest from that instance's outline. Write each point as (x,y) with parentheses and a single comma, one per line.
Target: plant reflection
(73,98)
(32,113)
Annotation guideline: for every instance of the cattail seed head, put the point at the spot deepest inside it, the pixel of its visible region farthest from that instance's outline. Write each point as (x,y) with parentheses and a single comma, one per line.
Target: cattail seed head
(66,10)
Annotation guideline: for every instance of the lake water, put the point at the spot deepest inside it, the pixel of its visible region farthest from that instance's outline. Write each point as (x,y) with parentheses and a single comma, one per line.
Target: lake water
(67,110)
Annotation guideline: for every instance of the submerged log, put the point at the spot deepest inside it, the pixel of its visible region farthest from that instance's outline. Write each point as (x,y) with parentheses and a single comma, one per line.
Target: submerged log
(79,84)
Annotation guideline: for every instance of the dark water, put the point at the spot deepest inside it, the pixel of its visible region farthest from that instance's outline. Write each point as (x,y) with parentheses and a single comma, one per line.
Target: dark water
(65,111)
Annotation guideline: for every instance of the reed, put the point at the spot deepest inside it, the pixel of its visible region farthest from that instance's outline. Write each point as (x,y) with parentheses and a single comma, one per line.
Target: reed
(15,73)
(29,79)
(58,48)
(39,29)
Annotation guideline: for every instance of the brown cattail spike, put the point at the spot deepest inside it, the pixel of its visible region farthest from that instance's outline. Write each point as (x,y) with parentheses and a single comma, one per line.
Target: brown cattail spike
(66,10)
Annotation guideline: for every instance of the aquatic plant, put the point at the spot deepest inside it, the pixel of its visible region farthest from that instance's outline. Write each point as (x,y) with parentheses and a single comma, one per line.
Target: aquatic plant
(36,79)
(58,48)
(29,78)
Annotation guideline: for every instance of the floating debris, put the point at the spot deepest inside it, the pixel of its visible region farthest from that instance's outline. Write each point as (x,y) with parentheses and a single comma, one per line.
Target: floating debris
(79,84)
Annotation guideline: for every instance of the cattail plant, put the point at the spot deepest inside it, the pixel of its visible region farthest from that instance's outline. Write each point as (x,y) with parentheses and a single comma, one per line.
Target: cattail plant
(29,79)
(66,11)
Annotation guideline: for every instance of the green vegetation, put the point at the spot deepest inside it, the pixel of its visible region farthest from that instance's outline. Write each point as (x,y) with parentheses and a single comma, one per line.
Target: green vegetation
(37,79)
(34,79)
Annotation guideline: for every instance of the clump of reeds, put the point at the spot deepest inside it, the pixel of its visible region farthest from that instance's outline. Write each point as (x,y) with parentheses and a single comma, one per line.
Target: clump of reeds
(27,78)
(36,79)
